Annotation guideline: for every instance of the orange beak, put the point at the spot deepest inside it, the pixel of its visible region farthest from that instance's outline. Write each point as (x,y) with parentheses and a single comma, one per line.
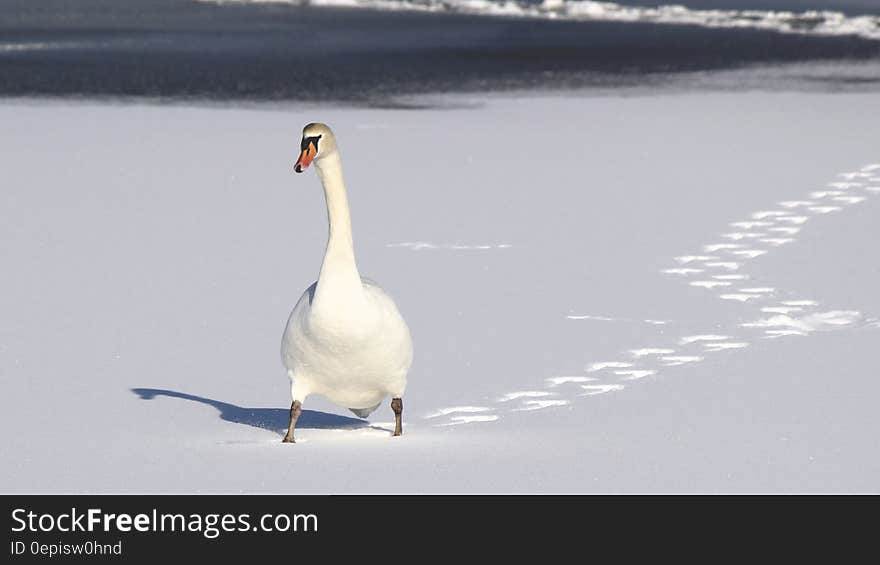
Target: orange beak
(305,158)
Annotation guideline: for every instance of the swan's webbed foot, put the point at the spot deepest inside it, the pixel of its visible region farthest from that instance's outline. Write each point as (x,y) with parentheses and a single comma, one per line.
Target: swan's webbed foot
(397,406)
(295,411)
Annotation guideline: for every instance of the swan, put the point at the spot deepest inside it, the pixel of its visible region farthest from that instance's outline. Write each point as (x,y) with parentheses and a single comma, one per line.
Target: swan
(345,339)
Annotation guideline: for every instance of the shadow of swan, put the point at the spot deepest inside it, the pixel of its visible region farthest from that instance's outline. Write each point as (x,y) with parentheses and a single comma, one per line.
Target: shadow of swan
(274,419)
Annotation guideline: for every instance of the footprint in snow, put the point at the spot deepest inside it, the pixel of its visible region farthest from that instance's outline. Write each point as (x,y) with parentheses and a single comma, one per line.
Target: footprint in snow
(763,232)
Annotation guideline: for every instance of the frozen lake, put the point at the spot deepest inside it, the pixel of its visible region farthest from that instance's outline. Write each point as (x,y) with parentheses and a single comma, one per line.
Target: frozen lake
(672,293)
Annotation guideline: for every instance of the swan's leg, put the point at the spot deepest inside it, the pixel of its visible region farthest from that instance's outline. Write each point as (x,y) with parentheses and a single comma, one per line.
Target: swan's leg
(397,406)
(295,411)
(298,393)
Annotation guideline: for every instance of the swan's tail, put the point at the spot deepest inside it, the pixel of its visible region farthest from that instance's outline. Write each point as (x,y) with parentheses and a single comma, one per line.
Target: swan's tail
(364,412)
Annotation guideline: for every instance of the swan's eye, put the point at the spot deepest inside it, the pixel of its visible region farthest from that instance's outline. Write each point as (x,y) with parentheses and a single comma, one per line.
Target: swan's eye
(309,140)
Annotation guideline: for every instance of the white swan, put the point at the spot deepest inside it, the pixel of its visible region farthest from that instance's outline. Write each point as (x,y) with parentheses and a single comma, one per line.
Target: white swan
(345,338)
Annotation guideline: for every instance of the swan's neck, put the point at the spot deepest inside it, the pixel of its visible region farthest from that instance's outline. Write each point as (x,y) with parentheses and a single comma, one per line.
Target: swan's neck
(339,281)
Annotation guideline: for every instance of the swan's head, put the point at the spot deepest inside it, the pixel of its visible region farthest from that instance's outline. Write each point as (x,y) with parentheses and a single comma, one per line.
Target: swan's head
(317,142)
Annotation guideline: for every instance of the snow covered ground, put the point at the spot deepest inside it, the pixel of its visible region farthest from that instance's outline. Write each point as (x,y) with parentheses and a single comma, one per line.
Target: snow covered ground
(645,293)
(808,21)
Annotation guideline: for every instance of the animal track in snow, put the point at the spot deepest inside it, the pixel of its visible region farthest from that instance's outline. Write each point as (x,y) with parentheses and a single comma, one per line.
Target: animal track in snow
(738,297)
(610,319)
(750,225)
(635,374)
(777,241)
(675,360)
(524,394)
(819,321)
(556,381)
(458,410)
(794,219)
(706,337)
(769,214)
(729,265)
(850,199)
(650,351)
(750,253)
(783,333)
(470,419)
(593,367)
(763,232)
(796,203)
(800,303)
(709,284)
(593,390)
(785,230)
(589,317)
(780,309)
(737,236)
(685,259)
(758,290)
(540,404)
(719,246)
(825,209)
(724,345)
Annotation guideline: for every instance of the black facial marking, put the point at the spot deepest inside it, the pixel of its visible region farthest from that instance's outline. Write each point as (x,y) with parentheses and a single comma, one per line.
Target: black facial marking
(306,140)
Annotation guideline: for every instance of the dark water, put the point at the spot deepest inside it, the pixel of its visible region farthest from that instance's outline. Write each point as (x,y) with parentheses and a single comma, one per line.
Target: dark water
(183,50)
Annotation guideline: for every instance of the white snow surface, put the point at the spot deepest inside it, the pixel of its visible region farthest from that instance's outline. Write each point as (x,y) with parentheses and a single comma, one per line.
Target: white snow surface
(152,254)
(807,22)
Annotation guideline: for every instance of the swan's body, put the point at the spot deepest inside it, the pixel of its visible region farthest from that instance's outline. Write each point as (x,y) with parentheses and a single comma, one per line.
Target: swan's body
(354,359)
(345,338)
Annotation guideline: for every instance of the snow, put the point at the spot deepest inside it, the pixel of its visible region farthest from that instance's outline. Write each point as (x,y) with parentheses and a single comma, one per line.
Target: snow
(153,253)
(809,22)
